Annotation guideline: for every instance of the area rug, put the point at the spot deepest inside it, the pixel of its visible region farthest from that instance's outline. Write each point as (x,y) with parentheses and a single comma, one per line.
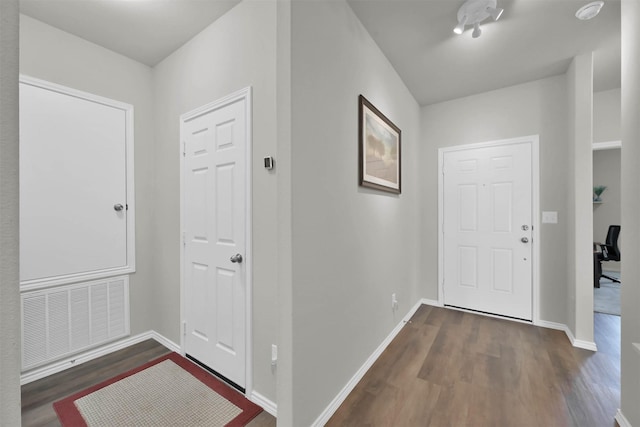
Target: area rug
(606,298)
(168,391)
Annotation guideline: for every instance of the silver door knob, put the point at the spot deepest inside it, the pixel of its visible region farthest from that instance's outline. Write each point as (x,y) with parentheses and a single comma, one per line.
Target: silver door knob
(118,207)
(524,240)
(236,258)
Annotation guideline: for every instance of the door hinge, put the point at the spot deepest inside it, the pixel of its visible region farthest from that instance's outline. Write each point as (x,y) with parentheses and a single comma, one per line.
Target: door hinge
(184,328)
(184,238)
(184,149)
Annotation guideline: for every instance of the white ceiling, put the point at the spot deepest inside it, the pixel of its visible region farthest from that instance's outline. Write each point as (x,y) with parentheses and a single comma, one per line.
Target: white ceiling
(533,39)
(144,30)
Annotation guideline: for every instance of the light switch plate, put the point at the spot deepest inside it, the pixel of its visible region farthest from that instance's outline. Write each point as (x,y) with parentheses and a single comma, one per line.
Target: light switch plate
(549,217)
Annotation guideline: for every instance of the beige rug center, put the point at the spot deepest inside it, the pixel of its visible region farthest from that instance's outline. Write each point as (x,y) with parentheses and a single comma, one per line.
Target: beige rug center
(162,395)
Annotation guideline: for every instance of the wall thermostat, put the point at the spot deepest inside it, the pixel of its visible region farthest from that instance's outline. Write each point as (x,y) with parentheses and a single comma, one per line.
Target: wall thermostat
(268,163)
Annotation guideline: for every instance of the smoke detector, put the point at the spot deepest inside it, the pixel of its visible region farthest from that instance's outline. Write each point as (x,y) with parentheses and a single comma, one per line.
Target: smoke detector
(589,11)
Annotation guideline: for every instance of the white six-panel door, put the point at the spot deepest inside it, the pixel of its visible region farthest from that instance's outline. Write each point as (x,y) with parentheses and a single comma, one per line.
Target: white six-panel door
(487,225)
(214,222)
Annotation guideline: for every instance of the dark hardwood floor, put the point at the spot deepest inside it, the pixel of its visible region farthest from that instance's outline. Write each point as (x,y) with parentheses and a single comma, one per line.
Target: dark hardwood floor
(450,368)
(445,368)
(38,396)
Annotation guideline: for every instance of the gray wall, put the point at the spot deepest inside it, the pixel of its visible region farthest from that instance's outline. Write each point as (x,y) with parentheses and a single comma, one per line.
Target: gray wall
(352,247)
(236,51)
(51,54)
(284,381)
(9,217)
(606,116)
(606,171)
(579,193)
(630,295)
(536,108)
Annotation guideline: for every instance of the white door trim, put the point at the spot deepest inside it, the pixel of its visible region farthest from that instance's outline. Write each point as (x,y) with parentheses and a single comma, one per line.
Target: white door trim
(130,267)
(535,204)
(246,95)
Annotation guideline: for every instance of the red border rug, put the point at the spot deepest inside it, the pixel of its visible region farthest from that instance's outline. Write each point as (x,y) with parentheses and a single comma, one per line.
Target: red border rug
(70,416)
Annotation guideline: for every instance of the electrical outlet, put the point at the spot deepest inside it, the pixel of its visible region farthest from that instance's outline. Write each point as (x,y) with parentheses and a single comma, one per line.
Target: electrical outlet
(394,302)
(274,354)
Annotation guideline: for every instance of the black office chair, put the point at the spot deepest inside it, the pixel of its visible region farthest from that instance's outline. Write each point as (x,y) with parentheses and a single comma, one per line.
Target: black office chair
(610,250)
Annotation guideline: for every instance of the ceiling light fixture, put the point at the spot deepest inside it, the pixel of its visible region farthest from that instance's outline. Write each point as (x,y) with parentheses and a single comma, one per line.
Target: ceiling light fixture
(495,12)
(589,11)
(460,27)
(473,12)
(476,30)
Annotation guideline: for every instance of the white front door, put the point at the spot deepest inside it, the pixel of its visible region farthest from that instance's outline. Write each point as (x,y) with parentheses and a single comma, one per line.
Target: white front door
(488,229)
(215,139)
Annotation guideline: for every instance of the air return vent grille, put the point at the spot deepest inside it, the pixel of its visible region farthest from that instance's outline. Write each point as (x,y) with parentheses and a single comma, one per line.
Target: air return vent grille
(64,320)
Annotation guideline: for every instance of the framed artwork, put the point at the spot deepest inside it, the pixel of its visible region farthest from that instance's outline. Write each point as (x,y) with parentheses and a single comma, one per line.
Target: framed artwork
(379,149)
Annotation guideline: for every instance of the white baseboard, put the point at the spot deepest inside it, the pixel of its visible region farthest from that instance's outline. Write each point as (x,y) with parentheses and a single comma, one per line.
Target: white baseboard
(86,356)
(432,302)
(162,340)
(323,418)
(622,421)
(587,345)
(554,325)
(265,403)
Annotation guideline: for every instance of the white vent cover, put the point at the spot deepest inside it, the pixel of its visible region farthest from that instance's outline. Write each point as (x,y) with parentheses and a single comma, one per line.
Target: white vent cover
(65,320)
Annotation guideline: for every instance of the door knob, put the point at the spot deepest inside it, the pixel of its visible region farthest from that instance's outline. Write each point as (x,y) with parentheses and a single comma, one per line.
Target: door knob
(118,207)
(524,240)
(236,258)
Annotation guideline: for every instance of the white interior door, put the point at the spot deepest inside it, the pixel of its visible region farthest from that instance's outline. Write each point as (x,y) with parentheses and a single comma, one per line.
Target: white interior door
(214,220)
(74,184)
(488,229)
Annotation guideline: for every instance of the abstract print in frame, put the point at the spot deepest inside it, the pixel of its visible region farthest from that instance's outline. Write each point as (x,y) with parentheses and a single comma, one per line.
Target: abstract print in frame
(379,149)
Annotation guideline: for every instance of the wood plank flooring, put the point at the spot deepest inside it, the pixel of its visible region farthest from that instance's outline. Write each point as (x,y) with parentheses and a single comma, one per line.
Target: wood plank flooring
(450,368)
(38,396)
(445,368)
